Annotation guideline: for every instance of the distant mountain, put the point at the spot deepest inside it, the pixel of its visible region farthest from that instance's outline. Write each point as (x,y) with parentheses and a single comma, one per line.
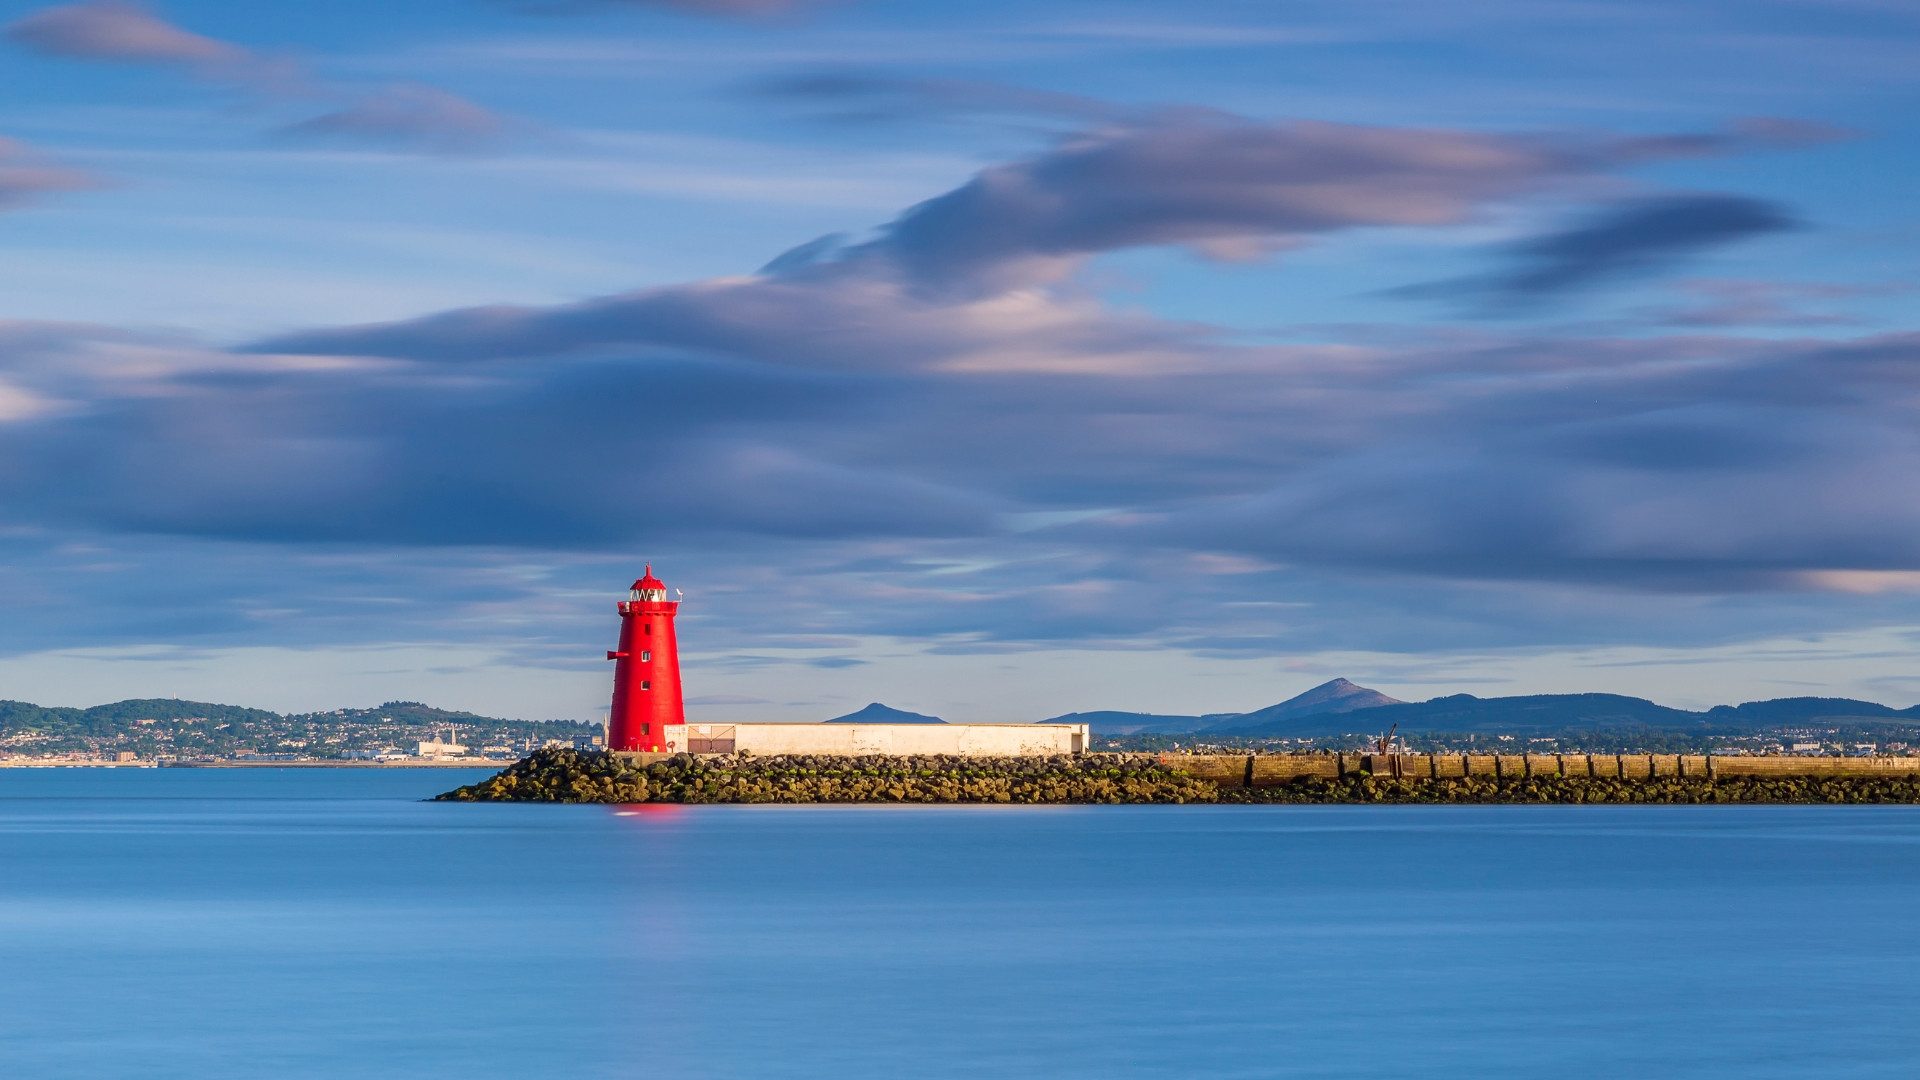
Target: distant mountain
(1329,698)
(1464,713)
(1788,710)
(877,713)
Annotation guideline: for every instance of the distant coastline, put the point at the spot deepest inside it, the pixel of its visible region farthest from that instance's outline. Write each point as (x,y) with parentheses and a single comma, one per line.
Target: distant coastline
(1336,716)
(151,732)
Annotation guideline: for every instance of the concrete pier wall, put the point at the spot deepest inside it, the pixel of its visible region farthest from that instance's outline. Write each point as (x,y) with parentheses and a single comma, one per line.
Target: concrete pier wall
(900,740)
(1267,770)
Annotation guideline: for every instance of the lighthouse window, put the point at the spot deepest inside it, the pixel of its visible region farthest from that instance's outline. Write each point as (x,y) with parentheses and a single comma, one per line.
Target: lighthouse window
(646,729)
(645,685)
(646,628)
(645,656)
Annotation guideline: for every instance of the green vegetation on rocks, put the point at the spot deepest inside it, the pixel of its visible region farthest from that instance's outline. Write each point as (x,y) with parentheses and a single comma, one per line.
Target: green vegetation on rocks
(590,776)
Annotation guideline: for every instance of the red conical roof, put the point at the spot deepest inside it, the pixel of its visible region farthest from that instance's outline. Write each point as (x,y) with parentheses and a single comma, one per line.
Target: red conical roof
(650,582)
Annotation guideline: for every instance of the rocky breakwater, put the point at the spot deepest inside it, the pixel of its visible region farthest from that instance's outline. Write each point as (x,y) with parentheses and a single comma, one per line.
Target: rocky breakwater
(578,776)
(1366,788)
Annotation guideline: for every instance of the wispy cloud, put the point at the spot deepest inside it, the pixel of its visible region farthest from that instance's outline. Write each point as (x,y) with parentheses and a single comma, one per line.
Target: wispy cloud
(25,175)
(969,280)
(124,33)
(857,97)
(119,33)
(929,389)
(1721,303)
(1636,237)
(409,115)
(1627,239)
(1223,187)
(725,9)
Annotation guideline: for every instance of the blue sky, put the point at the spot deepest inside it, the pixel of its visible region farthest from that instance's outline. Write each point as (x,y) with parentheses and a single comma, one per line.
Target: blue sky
(989,360)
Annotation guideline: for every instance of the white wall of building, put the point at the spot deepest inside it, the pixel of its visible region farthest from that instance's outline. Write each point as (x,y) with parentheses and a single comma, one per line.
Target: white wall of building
(965,740)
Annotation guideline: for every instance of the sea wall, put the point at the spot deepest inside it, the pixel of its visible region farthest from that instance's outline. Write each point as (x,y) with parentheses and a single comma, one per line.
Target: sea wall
(1271,770)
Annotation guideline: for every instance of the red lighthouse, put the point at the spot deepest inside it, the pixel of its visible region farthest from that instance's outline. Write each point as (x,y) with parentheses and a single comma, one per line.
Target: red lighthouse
(646,673)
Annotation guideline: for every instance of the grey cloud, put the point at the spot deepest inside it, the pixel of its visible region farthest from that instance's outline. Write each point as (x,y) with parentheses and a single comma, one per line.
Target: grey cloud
(1786,132)
(1226,188)
(124,33)
(836,408)
(1496,463)
(818,250)
(1222,188)
(411,115)
(1745,470)
(729,8)
(24,174)
(1745,135)
(845,316)
(574,456)
(862,97)
(1668,464)
(1720,303)
(725,9)
(121,33)
(1234,189)
(1640,236)
(1677,467)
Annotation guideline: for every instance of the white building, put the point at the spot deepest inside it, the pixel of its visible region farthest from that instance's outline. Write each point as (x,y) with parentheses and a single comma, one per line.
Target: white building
(961,740)
(434,748)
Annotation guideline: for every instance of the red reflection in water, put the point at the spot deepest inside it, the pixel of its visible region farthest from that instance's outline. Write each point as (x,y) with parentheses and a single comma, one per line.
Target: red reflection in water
(652,811)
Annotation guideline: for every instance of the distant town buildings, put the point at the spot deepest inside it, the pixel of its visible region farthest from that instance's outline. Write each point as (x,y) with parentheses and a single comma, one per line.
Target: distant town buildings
(436,749)
(126,734)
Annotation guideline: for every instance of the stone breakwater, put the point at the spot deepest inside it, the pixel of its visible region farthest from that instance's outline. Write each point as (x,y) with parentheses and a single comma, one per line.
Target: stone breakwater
(564,775)
(1366,788)
(574,776)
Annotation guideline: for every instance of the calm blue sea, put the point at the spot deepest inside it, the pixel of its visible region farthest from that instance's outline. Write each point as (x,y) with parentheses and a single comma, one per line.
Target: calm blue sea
(255,923)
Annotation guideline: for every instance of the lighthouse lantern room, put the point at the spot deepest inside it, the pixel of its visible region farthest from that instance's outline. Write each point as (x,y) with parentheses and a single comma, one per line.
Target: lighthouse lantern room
(647,714)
